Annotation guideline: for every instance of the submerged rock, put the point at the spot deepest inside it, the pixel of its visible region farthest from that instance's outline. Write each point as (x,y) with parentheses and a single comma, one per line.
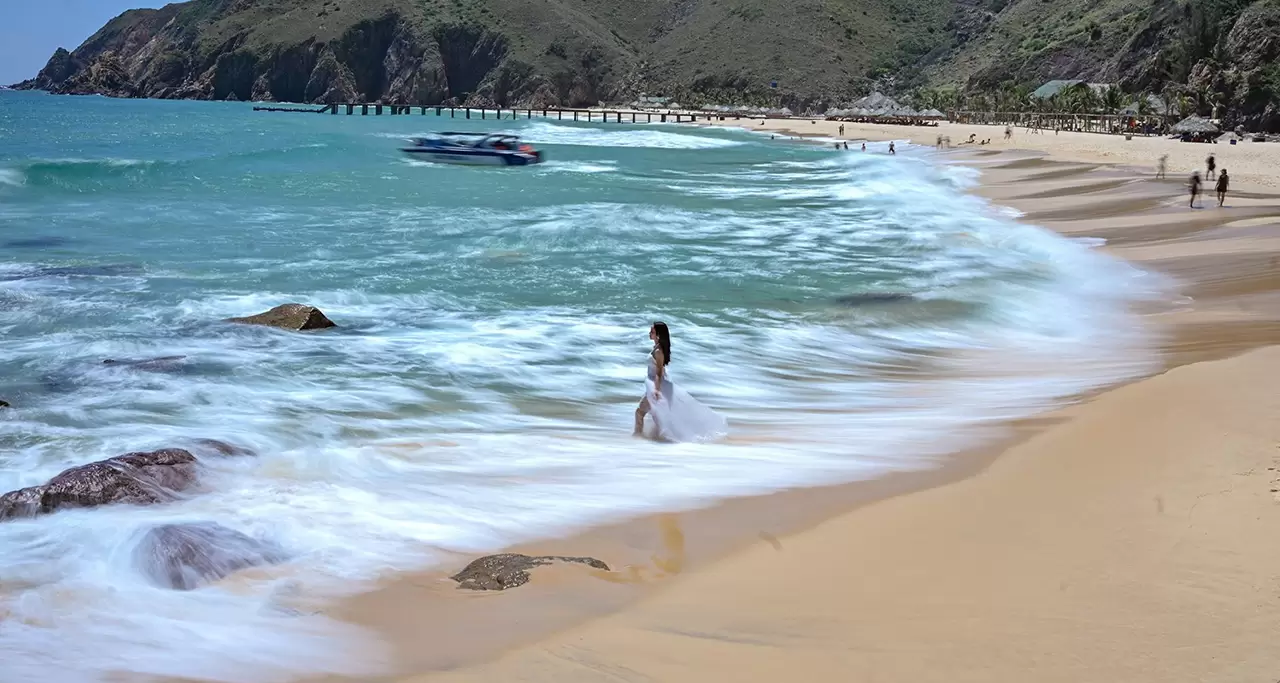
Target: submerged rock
(35,243)
(136,478)
(161,364)
(215,447)
(75,271)
(4,403)
(508,570)
(872,298)
(187,556)
(289,317)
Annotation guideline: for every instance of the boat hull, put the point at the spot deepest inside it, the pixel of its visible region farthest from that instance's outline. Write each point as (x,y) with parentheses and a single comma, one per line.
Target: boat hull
(474,158)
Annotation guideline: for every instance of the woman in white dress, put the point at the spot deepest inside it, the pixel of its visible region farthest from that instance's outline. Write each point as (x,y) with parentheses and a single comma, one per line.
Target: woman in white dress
(677,416)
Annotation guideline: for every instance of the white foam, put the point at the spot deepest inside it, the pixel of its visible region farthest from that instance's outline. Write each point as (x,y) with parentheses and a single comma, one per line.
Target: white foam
(579,167)
(479,391)
(653,137)
(12,177)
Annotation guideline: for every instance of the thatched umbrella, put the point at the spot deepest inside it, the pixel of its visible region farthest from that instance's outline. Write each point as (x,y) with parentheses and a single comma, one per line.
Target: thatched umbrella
(1194,124)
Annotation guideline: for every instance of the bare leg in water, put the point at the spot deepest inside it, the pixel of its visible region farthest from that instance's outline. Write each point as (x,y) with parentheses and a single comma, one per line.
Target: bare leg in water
(641,411)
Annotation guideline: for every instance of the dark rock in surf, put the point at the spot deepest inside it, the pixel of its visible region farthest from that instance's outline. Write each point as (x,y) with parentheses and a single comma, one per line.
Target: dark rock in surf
(88,271)
(73,271)
(161,364)
(509,570)
(5,404)
(187,556)
(140,478)
(35,243)
(289,317)
(217,448)
(872,298)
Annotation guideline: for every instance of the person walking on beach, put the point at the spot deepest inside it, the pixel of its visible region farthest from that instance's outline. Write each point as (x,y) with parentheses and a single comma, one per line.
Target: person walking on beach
(842,130)
(1223,180)
(677,416)
(891,148)
(1161,166)
(1210,164)
(1194,187)
(1008,132)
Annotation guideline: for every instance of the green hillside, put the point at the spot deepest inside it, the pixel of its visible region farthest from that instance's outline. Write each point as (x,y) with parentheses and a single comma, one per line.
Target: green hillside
(581,52)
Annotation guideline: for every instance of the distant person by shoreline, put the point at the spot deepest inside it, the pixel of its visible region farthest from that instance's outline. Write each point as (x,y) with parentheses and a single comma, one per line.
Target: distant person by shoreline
(1161,166)
(1193,186)
(1223,182)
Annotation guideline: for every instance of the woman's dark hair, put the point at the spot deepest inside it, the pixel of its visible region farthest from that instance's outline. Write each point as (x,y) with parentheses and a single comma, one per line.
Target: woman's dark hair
(664,341)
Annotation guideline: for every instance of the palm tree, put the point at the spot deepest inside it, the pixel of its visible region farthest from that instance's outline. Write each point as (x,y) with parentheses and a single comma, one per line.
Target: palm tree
(1143,104)
(1185,106)
(1022,97)
(1170,96)
(1089,101)
(1112,100)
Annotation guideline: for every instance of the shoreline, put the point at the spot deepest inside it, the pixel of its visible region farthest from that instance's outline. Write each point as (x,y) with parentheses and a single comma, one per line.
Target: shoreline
(944,584)
(660,554)
(1251,164)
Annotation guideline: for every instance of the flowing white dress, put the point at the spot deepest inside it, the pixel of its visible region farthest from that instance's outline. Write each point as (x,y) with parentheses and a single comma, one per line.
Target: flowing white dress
(677,416)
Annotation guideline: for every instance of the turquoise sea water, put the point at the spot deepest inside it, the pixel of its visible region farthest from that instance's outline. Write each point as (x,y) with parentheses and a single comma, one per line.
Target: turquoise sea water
(851,314)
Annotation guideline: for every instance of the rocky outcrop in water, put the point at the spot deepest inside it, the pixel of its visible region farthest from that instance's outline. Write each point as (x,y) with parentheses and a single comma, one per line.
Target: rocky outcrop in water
(141,478)
(4,404)
(289,317)
(105,75)
(509,570)
(218,448)
(187,556)
(58,70)
(161,364)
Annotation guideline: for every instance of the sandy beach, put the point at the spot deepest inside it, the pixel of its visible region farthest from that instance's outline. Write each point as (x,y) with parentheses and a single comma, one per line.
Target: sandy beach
(1251,164)
(1122,538)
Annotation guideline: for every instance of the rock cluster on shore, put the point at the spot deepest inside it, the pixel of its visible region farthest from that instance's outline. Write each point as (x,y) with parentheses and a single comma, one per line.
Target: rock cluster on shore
(297,317)
(189,555)
(509,570)
(141,478)
(179,556)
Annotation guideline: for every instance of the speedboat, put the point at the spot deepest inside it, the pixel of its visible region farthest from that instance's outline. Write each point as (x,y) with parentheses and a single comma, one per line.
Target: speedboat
(477,149)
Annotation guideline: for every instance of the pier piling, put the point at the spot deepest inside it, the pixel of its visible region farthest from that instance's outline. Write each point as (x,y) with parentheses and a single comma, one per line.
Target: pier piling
(587,115)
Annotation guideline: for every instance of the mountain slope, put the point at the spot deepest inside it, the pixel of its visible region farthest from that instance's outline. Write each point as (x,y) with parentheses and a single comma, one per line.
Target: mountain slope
(1222,54)
(1213,52)
(569,52)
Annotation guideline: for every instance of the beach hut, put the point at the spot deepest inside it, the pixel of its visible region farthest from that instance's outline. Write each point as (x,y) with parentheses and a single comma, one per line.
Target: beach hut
(1194,124)
(877,101)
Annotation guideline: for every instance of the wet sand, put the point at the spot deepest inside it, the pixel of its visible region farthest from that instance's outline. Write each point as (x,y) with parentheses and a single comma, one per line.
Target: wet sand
(1123,538)
(1251,164)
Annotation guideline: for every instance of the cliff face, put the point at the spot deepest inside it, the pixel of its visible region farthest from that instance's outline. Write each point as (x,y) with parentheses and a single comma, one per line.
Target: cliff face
(1221,54)
(197,50)
(504,52)
(797,53)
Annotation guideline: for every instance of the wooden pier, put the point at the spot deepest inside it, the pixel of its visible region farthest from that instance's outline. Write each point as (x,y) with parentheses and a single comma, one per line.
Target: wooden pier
(483,113)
